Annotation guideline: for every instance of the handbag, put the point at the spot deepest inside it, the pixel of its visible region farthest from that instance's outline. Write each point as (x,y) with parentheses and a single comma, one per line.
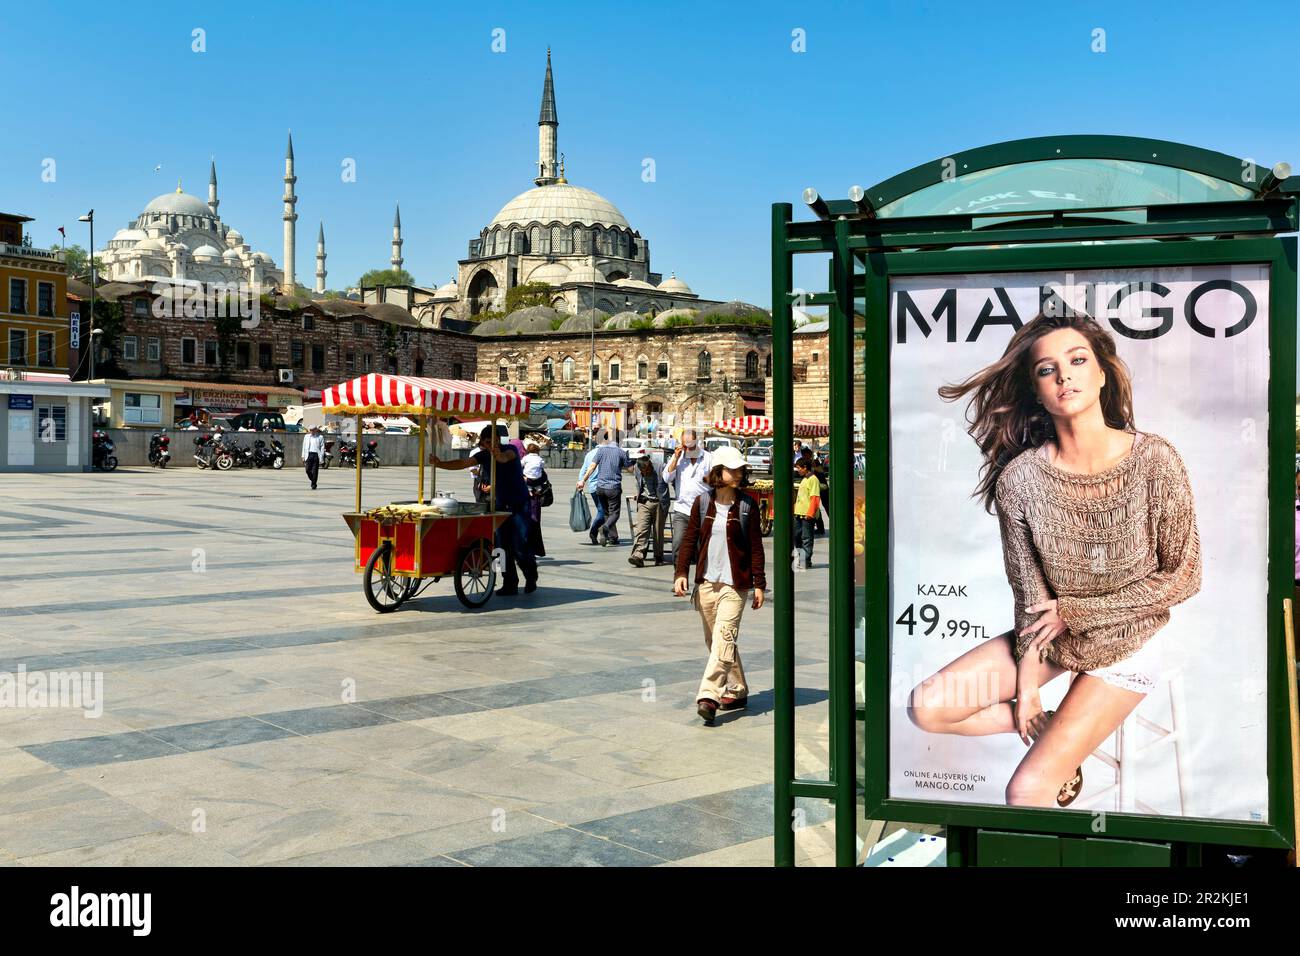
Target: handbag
(548,493)
(579,512)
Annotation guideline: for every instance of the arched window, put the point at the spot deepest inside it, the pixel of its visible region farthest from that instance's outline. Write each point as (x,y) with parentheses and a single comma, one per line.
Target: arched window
(704,367)
(567,369)
(661,370)
(521,372)
(642,368)
(543,245)
(767,365)
(548,370)
(534,238)
(503,373)
(557,239)
(751,365)
(615,369)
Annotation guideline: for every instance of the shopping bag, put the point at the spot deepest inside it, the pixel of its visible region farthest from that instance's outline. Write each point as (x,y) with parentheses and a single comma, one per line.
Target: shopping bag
(579,512)
(547,493)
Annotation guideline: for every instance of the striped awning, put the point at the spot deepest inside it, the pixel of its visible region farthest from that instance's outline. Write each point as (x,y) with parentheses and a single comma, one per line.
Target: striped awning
(760,426)
(408,395)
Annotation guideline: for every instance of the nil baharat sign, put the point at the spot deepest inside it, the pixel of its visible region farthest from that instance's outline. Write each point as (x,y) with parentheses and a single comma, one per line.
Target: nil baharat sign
(1161,699)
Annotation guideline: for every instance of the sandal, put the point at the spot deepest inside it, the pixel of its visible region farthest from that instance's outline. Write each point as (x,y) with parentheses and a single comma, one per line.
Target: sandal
(1071,789)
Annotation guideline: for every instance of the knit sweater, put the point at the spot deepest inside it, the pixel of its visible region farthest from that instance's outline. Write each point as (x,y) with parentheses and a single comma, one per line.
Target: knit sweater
(1116,549)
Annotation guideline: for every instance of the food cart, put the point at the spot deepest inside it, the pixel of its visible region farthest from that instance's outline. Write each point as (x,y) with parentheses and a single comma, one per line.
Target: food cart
(760,426)
(403,545)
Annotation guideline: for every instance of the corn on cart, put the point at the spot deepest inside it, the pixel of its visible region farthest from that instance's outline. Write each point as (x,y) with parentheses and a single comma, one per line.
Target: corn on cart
(760,426)
(404,545)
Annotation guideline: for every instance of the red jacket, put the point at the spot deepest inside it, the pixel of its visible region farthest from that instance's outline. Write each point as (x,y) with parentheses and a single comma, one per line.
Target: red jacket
(745,550)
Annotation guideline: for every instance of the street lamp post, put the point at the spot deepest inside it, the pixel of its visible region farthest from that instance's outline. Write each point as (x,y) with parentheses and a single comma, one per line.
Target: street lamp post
(90,218)
(591,366)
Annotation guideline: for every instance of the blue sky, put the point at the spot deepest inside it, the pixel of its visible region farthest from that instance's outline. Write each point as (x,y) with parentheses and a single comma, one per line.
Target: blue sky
(732,117)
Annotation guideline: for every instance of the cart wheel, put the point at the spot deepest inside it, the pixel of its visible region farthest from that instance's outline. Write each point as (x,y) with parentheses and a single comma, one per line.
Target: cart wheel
(475,577)
(384,590)
(764,518)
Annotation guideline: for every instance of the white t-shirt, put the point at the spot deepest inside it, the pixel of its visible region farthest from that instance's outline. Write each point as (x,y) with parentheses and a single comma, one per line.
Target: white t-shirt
(688,479)
(718,570)
(532,465)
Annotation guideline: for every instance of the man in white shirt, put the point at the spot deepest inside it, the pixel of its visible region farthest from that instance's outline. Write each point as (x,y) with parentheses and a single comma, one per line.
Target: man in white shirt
(313,450)
(686,470)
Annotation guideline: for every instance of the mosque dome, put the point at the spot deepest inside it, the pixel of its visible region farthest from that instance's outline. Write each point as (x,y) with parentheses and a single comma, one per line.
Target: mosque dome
(558,202)
(585,275)
(622,320)
(130,235)
(674,284)
(230,255)
(450,289)
(554,273)
(632,284)
(206,251)
(234,238)
(179,204)
(151,245)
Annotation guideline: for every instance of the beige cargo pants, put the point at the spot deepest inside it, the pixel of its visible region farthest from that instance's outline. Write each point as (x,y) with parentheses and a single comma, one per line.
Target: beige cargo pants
(720,607)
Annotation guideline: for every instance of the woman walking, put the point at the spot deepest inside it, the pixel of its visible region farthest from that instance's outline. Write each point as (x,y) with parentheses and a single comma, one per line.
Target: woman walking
(724,540)
(1099,541)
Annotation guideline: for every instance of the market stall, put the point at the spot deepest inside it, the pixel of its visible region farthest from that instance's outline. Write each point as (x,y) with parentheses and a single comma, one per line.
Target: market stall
(403,545)
(760,426)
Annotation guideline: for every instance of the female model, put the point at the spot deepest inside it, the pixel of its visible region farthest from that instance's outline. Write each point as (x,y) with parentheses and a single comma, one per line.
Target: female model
(1099,541)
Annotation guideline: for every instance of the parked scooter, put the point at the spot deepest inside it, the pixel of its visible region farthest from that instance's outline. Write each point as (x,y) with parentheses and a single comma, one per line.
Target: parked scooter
(159,454)
(368,456)
(329,453)
(101,455)
(204,447)
(231,454)
(347,454)
(268,456)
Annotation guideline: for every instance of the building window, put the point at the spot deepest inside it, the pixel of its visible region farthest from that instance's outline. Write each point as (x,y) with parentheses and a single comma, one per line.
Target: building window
(642,369)
(615,370)
(142,307)
(419,366)
(358,327)
(567,370)
(140,408)
(45,298)
(366,361)
(17,346)
(392,364)
(308,322)
(521,372)
(767,365)
(45,349)
(704,367)
(264,357)
(595,371)
(188,348)
(53,422)
(350,361)
(661,372)
(18,296)
(210,352)
(548,370)
(243,354)
(751,365)
(654,408)
(154,350)
(129,348)
(295,354)
(318,358)
(503,373)
(457,371)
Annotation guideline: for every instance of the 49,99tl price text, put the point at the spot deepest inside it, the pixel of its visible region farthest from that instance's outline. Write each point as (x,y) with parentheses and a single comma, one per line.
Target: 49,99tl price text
(929,618)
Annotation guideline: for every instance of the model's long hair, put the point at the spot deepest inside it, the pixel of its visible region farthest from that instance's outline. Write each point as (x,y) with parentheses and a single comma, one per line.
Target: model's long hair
(1004,414)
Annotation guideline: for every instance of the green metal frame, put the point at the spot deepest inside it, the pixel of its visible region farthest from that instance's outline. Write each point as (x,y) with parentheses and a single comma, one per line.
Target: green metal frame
(886,247)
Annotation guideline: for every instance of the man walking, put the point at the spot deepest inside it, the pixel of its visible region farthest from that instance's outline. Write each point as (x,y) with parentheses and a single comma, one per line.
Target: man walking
(608,465)
(686,470)
(806,507)
(651,508)
(313,450)
(597,502)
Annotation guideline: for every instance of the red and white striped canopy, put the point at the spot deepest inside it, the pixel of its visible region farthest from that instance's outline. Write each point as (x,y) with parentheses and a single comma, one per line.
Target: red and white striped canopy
(408,395)
(760,426)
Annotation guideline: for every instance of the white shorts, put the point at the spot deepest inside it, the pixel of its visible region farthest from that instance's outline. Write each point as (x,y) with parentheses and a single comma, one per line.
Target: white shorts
(1139,673)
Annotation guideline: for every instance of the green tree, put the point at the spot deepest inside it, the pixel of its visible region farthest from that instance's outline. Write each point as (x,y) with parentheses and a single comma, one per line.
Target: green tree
(385,277)
(526,295)
(110,319)
(76,261)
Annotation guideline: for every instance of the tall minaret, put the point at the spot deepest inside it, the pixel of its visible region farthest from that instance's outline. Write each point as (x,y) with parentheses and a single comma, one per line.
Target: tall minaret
(290,217)
(213,201)
(320,259)
(397,260)
(547,128)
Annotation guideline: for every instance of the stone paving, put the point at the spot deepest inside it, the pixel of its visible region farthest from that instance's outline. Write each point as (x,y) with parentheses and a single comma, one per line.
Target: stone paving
(256,710)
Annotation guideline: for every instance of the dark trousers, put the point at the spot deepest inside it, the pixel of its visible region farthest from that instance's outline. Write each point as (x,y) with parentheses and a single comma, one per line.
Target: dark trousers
(803,538)
(609,505)
(513,540)
(598,519)
(313,467)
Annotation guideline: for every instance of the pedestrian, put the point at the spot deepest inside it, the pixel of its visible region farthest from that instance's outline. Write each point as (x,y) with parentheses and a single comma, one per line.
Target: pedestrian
(313,450)
(606,475)
(686,470)
(598,502)
(806,507)
(538,485)
(514,534)
(818,469)
(799,448)
(725,541)
(651,508)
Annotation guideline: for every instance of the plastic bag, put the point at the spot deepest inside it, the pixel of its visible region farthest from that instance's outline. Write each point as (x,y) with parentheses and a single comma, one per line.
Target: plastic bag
(579,512)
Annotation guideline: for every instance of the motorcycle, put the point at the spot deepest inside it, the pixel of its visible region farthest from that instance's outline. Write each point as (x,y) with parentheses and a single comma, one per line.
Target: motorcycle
(102,449)
(265,456)
(329,453)
(159,454)
(231,454)
(368,456)
(204,447)
(347,454)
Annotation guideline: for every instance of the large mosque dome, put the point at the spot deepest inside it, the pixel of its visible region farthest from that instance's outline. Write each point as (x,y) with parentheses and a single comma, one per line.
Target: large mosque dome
(558,202)
(179,204)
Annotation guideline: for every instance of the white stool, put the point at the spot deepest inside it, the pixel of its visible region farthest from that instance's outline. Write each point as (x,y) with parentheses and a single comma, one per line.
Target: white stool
(1126,753)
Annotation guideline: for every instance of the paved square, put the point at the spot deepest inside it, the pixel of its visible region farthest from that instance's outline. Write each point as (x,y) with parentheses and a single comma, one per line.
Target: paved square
(257,711)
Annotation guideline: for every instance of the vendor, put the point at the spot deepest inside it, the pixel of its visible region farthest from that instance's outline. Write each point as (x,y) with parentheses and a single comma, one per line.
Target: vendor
(511,496)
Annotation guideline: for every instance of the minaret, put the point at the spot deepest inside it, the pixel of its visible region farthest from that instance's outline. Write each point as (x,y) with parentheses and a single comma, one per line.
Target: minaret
(290,217)
(213,201)
(397,260)
(547,129)
(320,259)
